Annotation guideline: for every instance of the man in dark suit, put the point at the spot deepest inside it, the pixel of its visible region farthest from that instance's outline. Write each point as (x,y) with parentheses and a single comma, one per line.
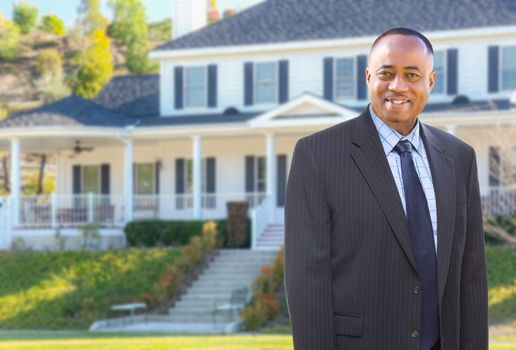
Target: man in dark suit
(384,245)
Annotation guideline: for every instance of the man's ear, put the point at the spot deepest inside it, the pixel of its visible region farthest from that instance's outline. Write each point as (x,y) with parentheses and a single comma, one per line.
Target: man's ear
(368,75)
(431,80)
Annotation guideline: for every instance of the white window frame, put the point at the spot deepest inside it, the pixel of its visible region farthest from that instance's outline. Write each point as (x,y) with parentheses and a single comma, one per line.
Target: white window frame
(354,80)
(501,67)
(153,177)
(99,178)
(185,87)
(255,83)
(444,76)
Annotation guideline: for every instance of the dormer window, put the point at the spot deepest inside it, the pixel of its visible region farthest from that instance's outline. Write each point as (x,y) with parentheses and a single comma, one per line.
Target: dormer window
(195,88)
(345,79)
(266,83)
(508,68)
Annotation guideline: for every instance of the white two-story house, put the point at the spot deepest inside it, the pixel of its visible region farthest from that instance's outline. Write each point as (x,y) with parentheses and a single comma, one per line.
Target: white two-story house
(220,121)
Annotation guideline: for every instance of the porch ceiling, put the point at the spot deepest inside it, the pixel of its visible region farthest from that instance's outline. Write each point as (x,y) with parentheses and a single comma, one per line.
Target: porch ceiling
(47,144)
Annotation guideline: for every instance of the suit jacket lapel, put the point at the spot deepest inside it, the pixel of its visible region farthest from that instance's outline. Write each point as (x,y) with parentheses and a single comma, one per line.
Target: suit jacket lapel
(369,156)
(443,178)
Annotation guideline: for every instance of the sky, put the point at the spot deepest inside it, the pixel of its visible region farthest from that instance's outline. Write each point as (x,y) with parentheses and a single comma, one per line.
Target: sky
(67,9)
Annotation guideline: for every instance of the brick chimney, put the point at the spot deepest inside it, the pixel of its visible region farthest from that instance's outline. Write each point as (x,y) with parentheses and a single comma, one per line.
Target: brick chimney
(190,15)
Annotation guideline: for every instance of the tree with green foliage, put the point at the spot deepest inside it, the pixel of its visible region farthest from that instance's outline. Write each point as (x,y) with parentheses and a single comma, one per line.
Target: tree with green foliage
(160,30)
(9,39)
(90,18)
(92,61)
(130,28)
(25,16)
(49,62)
(94,66)
(52,24)
(51,83)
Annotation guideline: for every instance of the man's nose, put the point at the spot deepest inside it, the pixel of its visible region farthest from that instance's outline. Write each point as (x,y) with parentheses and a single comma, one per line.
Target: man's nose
(398,83)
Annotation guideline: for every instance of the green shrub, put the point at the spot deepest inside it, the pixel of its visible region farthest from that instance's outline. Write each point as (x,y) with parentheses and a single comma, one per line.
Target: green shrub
(49,62)
(9,39)
(52,24)
(252,317)
(25,16)
(150,233)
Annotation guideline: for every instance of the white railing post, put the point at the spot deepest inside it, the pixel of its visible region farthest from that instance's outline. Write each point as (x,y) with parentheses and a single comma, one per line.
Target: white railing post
(90,207)
(53,201)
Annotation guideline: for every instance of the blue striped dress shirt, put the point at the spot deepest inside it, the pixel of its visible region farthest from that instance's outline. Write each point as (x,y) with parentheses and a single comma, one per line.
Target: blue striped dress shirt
(390,138)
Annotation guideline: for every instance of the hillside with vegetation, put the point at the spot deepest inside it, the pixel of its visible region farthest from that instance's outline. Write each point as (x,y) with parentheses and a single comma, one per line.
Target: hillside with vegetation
(42,61)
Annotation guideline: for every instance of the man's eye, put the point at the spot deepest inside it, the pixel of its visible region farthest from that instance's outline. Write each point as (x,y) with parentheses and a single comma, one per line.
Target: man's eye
(412,75)
(385,74)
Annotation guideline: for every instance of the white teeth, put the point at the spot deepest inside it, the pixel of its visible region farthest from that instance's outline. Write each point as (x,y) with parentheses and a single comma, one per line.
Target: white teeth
(398,102)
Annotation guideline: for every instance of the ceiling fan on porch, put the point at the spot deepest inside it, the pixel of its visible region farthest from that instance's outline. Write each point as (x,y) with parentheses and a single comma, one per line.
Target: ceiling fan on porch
(78,149)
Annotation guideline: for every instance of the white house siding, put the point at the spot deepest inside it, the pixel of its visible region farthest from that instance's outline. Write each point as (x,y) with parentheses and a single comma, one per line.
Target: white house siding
(306,72)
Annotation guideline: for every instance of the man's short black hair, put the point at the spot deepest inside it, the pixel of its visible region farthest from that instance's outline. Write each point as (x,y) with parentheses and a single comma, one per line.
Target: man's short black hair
(405,31)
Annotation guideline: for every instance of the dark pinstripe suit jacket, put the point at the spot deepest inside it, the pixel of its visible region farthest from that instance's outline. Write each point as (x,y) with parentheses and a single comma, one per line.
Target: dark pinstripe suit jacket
(350,274)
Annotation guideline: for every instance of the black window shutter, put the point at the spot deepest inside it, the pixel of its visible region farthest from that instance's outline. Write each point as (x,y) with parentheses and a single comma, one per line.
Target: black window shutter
(157,167)
(328,78)
(452,71)
(249,174)
(360,76)
(76,176)
(493,84)
(248,84)
(210,174)
(178,87)
(494,166)
(212,85)
(104,179)
(283,81)
(180,178)
(281,180)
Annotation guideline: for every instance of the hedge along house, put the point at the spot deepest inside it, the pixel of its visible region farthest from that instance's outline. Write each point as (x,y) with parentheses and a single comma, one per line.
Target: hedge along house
(220,121)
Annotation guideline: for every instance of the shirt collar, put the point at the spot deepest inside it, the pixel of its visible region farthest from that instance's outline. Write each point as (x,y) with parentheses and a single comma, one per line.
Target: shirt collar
(391,137)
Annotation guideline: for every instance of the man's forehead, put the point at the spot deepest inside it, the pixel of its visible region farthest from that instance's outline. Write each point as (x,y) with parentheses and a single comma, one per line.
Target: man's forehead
(396,43)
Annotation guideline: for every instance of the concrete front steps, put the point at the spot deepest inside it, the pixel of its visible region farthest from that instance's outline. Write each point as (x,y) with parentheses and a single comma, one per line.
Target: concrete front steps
(231,269)
(272,238)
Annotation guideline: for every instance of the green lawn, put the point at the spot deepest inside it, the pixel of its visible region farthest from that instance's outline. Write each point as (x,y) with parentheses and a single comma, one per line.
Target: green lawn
(87,341)
(71,289)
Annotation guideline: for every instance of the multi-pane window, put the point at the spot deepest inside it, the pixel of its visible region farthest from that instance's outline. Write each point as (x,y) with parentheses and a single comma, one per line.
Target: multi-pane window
(91,179)
(145,178)
(508,68)
(195,87)
(266,83)
(261,174)
(345,79)
(439,68)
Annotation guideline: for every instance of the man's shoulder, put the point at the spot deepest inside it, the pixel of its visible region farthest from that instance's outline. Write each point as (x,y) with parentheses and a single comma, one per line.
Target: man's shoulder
(340,132)
(452,145)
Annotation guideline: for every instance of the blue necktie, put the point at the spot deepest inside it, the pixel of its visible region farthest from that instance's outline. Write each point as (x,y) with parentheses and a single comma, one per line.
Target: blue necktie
(422,238)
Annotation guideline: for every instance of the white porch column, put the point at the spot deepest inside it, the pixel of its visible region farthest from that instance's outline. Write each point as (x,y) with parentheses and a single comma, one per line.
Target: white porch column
(128,180)
(452,129)
(271,175)
(197,176)
(15,180)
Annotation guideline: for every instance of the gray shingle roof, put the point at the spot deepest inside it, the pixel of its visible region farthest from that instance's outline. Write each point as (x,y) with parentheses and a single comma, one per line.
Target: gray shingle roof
(70,111)
(136,95)
(276,21)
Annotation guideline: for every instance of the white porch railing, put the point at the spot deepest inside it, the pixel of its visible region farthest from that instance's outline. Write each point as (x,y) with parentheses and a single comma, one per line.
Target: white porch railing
(180,206)
(498,200)
(69,210)
(259,220)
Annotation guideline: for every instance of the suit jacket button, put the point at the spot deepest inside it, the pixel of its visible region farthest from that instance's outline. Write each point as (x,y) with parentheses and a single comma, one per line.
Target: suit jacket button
(414,333)
(416,290)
